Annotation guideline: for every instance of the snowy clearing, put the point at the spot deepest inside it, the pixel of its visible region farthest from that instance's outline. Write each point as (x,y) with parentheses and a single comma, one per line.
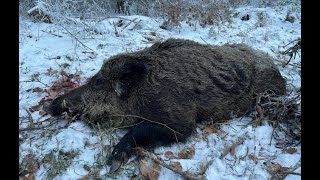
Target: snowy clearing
(236,149)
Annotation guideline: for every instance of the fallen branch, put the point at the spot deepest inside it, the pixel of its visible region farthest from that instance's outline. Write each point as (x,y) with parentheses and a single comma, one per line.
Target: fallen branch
(142,152)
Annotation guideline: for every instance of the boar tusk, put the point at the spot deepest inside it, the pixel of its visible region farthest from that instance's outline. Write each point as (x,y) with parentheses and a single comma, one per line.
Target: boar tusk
(64,104)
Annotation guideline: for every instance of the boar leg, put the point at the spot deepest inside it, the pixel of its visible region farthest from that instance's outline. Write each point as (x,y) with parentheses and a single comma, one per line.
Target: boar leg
(146,135)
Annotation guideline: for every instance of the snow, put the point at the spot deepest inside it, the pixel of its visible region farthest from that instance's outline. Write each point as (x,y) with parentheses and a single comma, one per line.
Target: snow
(38,47)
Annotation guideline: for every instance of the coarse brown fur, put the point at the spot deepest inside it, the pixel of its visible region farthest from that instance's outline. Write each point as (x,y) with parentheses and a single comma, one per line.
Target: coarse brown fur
(175,83)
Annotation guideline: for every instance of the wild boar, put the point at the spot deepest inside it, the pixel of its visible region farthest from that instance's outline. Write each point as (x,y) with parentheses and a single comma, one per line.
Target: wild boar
(160,92)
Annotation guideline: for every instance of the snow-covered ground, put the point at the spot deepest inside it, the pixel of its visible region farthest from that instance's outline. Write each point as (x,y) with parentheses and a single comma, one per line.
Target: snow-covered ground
(76,151)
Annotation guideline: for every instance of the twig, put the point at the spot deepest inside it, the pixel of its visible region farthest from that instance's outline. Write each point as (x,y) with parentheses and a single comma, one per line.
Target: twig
(135,25)
(30,118)
(43,127)
(77,39)
(30,129)
(101,140)
(135,116)
(36,80)
(131,21)
(52,34)
(245,155)
(121,127)
(115,30)
(143,152)
(205,168)
(57,57)
(110,17)
(204,40)
(286,63)
(272,134)
(290,172)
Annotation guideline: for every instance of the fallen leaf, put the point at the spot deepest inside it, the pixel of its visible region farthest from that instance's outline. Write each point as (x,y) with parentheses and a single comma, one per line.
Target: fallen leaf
(149,169)
(43,134)
(274,168)
(36,107)
(51,72)
(176,165)
(86,167)
(42,113)
(170,155)
(36,89)
(29,176)
(252,157)
(209,130)
(63,73)
(291,150)
(233,150)
(65,65)
(186,153)
(31,164)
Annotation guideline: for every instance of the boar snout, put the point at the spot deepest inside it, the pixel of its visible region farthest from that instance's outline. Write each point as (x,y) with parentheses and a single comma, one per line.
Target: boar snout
(55,107)
(59,106)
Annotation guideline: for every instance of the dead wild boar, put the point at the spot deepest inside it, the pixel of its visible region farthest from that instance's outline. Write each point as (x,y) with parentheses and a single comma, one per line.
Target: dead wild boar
(162,91)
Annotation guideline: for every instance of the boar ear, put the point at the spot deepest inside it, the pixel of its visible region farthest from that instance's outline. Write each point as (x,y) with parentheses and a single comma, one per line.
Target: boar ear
(128,76)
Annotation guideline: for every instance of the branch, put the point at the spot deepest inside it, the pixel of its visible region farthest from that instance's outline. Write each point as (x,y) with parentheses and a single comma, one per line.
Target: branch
(142,152)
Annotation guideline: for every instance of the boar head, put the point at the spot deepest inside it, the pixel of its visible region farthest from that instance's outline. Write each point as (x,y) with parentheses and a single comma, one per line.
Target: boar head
(103,94)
